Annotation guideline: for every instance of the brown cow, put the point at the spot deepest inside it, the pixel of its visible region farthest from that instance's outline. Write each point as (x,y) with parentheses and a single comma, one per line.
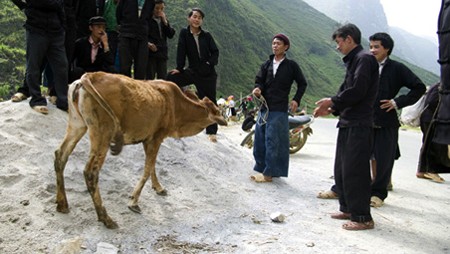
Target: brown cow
(117,111)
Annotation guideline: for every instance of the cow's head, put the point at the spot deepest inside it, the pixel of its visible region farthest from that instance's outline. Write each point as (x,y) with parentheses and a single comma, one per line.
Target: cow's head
(214,112)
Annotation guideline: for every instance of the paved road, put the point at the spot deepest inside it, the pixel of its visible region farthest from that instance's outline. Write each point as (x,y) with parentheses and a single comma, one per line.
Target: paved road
(416,215)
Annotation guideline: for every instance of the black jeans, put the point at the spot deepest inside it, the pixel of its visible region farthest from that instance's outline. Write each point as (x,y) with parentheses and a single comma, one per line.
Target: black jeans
(50,46)
(352,171)
(133,52)
(206,86)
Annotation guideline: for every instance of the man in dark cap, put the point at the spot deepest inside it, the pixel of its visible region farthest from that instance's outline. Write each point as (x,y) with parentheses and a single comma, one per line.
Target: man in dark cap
(274,81)
(92,53)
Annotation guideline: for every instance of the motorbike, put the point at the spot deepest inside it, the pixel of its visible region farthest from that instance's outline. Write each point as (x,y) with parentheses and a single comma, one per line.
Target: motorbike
(299,130)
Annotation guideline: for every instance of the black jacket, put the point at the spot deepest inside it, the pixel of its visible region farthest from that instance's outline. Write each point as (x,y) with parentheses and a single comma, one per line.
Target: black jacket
(131,25)
(356,96)
(43,16)
(275,90)
(82,57)
(159,38)
(187,47)
(394,76)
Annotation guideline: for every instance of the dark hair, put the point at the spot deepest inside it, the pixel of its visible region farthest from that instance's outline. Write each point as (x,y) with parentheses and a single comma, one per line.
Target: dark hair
(159,2)
(197,10)
(386,41)
(348,30)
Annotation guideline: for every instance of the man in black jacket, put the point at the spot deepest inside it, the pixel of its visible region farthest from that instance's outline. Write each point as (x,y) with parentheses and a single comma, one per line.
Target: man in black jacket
(354,105)
(133,17)
(45,36)
(159,30)
(92,53)
(393,76)
(202,53)
(274,81)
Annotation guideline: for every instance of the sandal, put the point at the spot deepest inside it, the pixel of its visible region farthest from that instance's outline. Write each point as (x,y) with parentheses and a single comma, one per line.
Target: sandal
(18,97)
(260,178)
(341,216)
(434,177)
(430,176)
(41,109)
(329,194)
(376,202)
(353,225)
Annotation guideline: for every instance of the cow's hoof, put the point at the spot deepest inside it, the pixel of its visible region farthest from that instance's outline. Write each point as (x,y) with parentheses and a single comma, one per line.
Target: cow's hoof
(135,208)
(160,191)
(111,224)
(62,209)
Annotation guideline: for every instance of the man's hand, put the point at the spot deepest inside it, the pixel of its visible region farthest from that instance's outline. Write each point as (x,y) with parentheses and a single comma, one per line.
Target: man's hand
(388,105)
(323,107)
(257,92)
(152,47)
(174,71)
(293,107)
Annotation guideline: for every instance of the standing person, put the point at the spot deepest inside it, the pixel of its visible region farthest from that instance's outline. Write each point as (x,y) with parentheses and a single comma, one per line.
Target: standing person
(274,81)
(232,106)
(45,36)
(92,53)
(353,103)
(133,17)
(440,125)
(202,53)
(112,30)
(159,30)
(84,10)
(438,153)
(393,77)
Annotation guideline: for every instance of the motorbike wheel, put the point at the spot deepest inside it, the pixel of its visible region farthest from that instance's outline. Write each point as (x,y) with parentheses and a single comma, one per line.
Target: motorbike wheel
(248,140)
(297,143)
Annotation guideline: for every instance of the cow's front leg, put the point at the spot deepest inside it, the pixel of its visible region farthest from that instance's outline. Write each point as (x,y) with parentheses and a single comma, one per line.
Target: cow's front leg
(91,173)
(151,152)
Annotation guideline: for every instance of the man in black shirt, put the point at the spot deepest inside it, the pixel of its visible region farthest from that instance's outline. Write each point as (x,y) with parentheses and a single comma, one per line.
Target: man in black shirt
(353,103)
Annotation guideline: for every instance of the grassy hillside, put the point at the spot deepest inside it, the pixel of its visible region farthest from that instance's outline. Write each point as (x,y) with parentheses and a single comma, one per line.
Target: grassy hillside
(242,29)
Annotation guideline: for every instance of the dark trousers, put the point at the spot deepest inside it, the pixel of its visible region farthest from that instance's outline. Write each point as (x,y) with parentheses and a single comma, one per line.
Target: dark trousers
(156,68)
(133,52)
(206,86)
(39,47)
(352,171)
(384,151)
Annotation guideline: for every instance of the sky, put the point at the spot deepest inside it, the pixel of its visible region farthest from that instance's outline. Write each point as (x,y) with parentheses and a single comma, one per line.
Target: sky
(418,17)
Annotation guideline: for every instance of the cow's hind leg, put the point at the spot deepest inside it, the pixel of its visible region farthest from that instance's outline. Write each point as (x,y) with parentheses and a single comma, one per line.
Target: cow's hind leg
(99,149)
(73,135)
(151,150)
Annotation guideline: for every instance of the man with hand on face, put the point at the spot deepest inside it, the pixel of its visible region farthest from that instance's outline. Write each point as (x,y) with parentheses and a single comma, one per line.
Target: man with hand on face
(159,30)
(92,53)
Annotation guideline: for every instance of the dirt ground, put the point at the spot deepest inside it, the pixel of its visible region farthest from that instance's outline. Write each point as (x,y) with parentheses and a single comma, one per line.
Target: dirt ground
(211,206)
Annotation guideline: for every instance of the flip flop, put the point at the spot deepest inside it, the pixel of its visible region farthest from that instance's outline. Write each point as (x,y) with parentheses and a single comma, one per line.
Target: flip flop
(17,97)
(434,177)
(353,225)
(41,109)
(376,202)
(329,194)
(260,178)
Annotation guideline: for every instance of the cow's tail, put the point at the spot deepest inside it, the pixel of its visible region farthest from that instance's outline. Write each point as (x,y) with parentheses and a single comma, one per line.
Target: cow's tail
(117,141)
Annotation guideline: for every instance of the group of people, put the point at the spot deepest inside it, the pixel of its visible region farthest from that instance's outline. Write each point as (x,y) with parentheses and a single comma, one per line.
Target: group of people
(366,104)
(70,37)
